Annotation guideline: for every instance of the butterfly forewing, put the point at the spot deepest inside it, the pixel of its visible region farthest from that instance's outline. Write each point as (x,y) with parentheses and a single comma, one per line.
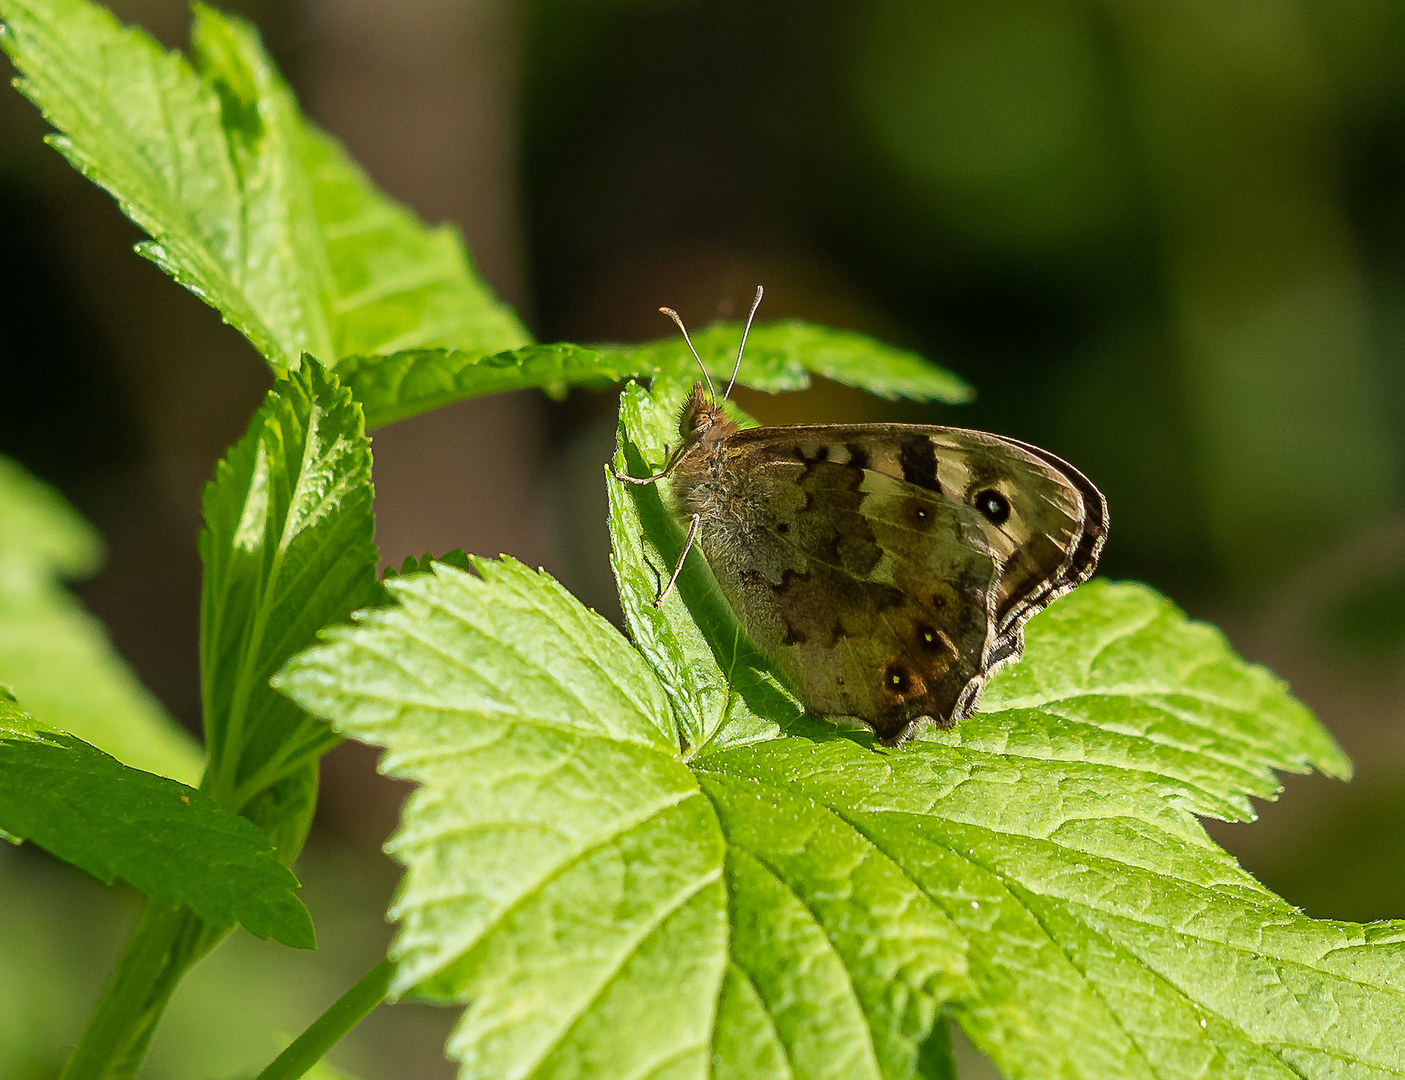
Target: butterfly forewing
(1032,515)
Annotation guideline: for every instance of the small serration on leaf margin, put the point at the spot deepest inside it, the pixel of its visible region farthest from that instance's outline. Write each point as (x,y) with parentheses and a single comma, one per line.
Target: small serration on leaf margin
(424,564)
(288,549)
(250,207)
(171,842)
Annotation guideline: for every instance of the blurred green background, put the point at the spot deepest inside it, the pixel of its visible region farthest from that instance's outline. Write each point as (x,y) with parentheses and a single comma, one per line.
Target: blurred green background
(1165,241)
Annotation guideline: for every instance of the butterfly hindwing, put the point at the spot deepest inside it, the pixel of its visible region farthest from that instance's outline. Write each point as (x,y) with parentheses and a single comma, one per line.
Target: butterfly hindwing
(868,593)
(887,568)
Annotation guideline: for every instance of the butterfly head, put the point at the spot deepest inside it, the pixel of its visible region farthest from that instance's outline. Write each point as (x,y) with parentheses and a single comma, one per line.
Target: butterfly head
(700,421)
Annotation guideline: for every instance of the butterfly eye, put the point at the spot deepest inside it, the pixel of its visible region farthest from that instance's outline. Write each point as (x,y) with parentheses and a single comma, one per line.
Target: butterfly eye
(993,505)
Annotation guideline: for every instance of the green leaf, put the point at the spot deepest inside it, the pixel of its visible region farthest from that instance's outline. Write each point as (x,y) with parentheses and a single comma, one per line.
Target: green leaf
(715,678)
(41,536)
(1107,935)
(601,911)
(779,356)
(424,564)
(247,204)
(936,1060)
(605,862)
(403,384)
(846,957)
(1160,694)
(782,356)
(56,655)
(287,547)
(284,811)
(172,842)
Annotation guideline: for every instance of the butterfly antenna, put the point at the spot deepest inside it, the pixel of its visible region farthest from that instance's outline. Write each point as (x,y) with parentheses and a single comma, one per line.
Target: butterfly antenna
(674,316)
(754,305)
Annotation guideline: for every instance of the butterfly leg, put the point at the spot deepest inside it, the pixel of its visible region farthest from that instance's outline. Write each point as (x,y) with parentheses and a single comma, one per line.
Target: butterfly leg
(678,569)
(627,479)
(669,459)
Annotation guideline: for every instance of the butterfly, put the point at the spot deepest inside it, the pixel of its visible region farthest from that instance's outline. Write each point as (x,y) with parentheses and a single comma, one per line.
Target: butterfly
(886,570)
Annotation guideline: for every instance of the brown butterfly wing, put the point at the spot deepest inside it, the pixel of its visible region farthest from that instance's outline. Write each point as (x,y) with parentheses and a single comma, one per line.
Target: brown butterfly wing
(871,599)
(854,558)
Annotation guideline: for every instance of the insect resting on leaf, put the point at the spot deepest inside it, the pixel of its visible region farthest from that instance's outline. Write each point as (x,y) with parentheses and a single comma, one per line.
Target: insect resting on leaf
(885,569)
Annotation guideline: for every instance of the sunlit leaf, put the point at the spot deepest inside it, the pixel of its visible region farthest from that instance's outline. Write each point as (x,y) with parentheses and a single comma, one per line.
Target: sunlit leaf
(714,676)
(287,548)
(248,205)
(779,356)
(1107,935)
(393,387)
(783,355)
(569,878)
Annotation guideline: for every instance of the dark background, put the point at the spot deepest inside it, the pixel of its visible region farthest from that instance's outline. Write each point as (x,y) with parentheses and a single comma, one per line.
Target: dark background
(1165,241)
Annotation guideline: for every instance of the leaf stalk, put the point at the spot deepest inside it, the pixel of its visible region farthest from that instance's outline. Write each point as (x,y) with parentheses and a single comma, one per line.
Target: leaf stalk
(328,1029)
(164,945)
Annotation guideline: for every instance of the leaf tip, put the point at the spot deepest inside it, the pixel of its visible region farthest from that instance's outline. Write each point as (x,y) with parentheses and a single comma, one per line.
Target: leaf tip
(297,931)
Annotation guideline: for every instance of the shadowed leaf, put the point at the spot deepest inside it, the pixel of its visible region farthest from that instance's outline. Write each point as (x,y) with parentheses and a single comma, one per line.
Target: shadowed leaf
(172,842)
(56,655)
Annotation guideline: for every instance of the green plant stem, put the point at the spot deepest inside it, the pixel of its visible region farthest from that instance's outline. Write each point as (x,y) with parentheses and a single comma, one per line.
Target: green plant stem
(935,1060)
(328,1029)
(163,946)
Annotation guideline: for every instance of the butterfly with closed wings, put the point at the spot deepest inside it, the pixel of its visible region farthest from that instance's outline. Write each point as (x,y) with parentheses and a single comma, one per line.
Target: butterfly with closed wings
(886,570)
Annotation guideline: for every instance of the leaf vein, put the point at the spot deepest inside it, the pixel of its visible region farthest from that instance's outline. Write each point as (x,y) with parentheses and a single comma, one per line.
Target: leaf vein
(684,897)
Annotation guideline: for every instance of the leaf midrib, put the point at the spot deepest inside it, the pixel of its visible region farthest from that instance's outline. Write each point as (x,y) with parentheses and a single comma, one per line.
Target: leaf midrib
(675,905)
